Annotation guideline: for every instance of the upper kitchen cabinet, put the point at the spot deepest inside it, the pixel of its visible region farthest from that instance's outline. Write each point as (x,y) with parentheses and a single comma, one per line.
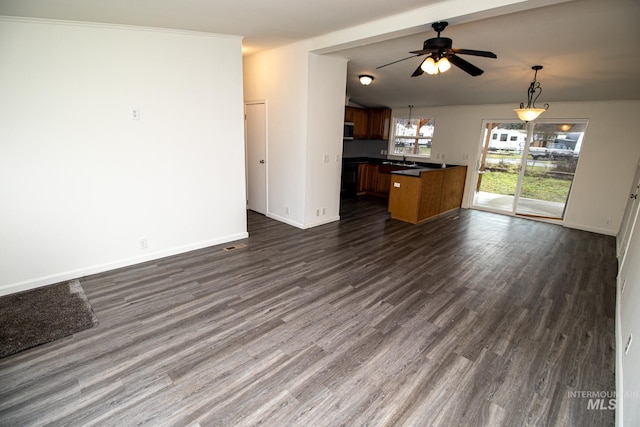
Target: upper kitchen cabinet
(369,123)
(379,121)
(360,119)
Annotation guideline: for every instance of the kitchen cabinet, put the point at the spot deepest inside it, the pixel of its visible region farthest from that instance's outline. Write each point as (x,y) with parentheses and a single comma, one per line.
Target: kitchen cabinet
(369,123)
(374,179)
(349,114)
(367,178)
(379,123)
(426,194)
(453,188)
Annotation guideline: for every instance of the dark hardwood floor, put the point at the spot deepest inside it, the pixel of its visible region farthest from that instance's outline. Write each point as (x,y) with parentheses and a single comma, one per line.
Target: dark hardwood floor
(469,319)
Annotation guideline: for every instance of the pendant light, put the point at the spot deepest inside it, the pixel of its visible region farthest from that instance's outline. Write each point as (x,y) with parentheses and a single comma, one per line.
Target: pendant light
(530,112)
(408,125)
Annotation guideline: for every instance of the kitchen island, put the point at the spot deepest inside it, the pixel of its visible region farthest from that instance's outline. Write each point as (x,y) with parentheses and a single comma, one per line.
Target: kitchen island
(418,194)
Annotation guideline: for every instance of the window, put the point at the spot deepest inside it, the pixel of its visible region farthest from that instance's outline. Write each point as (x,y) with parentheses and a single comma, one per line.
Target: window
(412,137)
(532,173)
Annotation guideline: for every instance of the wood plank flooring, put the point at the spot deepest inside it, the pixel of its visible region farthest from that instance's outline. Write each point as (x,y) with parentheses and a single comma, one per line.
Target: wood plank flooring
(472,319)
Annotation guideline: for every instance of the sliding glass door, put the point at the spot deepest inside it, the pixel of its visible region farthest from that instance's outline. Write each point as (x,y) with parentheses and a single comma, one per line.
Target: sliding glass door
(528,169)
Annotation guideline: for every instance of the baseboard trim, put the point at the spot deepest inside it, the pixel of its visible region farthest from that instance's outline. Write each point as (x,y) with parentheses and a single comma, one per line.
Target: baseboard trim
(302,226)
(287,221)
(322,222)
(101,268)
(591,229)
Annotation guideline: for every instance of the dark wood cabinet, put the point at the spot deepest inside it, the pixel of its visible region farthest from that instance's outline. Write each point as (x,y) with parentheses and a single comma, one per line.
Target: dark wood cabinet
(369,123)
(360,124)
(367,178)
(379,123)
(375,179)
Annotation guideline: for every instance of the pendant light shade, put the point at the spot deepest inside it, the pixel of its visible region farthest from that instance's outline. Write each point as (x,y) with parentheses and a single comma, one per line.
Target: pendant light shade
(530,112)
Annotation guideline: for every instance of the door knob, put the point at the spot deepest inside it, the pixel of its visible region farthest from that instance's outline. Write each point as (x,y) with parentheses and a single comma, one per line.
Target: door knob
(261,161)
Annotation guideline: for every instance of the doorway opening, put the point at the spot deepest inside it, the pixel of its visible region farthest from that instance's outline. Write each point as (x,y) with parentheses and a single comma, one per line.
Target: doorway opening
(527,169)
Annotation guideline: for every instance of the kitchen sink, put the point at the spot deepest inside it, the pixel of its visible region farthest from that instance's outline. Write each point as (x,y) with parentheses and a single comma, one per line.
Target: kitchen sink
(405,164)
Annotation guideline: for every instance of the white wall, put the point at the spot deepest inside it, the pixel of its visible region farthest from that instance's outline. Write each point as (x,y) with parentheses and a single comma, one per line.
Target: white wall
(82,183)
(327,86)
(606,165)
(305,102)
(280,77)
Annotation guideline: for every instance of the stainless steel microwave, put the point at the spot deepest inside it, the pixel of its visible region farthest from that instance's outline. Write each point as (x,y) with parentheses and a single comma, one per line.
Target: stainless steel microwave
(348,131)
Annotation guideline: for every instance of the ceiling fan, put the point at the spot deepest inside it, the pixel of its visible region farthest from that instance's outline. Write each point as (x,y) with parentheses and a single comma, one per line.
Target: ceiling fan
(442,55)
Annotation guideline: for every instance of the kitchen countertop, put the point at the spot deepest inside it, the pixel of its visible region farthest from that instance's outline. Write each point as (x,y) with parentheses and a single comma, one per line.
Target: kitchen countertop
(416,171)
(378,161)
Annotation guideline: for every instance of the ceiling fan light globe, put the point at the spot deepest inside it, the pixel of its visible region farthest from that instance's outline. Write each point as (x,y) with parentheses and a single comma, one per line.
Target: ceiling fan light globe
(443,65)
(429,66)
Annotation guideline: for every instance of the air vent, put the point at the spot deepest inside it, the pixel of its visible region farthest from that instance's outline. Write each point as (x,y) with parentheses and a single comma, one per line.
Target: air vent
(234,247)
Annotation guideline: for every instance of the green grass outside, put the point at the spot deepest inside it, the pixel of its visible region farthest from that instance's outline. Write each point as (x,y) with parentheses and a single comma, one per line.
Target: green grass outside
(536,186)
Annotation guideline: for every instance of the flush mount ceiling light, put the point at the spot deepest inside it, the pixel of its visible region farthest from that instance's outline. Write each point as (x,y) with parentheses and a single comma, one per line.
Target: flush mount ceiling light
(530,112)
(365,79)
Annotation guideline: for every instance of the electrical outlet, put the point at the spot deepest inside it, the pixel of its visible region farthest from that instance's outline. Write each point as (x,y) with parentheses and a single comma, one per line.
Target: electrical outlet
(608,221)
(326,158)
(287,210)
(324,211)
(626,347)
(135,113)
(317,212)
(144,244)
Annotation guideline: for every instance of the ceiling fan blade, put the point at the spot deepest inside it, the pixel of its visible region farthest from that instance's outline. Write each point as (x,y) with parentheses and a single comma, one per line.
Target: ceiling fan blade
(399,60)
(423,51)
(484,53)
(465,66)
(418,71)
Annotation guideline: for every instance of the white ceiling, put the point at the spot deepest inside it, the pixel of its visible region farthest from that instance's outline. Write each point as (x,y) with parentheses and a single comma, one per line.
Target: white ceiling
(264,23)
(590,49)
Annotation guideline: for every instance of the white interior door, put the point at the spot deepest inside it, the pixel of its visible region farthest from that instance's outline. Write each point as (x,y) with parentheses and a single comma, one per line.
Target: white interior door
(629,219)
(256,134)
